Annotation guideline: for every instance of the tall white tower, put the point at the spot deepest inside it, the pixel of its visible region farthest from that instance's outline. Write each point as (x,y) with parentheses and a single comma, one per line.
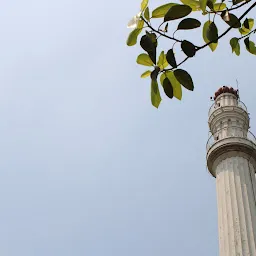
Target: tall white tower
(231,158)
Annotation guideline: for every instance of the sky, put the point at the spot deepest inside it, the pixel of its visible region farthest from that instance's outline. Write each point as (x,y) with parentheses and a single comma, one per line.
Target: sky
(87,165)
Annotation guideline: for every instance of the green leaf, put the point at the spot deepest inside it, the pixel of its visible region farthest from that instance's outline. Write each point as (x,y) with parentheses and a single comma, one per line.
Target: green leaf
(146,14)
(171,58)
(246,23)
(132,38)
(147,45)
(162,77)
(237,1)
(225,15)
(232,20)
(188,48)
(212,46)
(234,43)
(212,33)
(219,7)
(154,73)
(250,46)
(168,88)
(146,74)
(144,4)
(155,94)
(243,31)
(140,24)
(177,12)
(153,38)
(195,5)
(161,59)
(177,91)
(162,62)
(184,78)
(203,4)
(210,4)
(247,26)
(160,11)
(247,43)
(144,59)
(189,23)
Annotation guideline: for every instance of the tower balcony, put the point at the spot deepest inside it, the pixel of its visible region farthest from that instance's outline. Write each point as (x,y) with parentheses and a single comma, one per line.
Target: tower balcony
(216,106)
(226,141)
(226,133)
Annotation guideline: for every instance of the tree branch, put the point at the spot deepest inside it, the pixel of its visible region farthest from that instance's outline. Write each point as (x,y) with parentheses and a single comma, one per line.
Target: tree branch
(247,34)
(160,25)
(169,69)
(233,8)
(203,46)
(160,33)
(225,32)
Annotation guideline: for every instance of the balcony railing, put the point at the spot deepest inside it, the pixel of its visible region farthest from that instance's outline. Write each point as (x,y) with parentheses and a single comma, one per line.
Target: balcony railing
(242,105)
(212,108)
(215,106)
(228,133)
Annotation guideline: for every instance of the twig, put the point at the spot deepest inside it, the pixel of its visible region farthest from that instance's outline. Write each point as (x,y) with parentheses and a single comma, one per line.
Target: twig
(160,33)
(247,34)
(233,8)
(225,32)
(160,25)
(203,46)
(169,69)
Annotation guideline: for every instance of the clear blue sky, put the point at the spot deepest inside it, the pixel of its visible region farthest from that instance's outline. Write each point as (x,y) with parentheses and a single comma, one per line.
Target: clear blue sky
(87,165)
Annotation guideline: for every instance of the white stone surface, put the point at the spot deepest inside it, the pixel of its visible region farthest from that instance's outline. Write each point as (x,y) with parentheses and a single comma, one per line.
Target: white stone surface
(236,191)
(231,158)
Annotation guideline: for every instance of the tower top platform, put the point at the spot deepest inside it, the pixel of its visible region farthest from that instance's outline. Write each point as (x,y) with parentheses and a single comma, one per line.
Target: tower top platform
(225,89)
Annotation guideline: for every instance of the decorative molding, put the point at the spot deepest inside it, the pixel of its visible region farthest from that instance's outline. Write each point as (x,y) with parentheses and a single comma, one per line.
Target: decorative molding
(224,148)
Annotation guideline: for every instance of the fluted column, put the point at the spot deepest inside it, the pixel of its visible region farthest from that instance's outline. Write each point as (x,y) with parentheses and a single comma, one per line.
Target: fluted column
(236,197)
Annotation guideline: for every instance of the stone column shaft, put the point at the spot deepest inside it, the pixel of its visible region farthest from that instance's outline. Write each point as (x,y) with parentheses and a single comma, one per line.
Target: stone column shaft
(236,196)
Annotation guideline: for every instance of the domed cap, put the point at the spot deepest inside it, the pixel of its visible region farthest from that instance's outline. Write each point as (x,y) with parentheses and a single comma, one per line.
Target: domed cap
(226,89)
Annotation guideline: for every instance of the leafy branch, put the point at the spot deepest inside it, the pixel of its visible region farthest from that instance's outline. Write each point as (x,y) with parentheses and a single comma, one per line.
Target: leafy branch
(224,33)
(170,69)
(173,78)
(237,22)
(159,32)
(232,8)
(253,31)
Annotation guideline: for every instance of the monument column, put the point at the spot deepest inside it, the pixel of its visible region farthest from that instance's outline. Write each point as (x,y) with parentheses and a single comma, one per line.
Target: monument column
(231,158)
